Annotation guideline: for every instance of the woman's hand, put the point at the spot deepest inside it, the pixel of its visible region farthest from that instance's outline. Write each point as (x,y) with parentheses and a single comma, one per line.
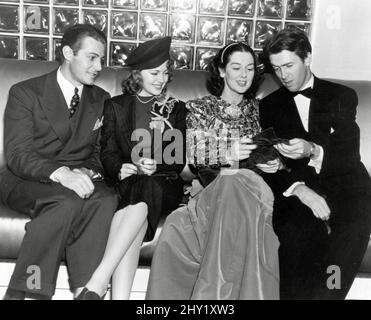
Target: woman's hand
(147,166)
(241,149)
(271,166)
(127,169)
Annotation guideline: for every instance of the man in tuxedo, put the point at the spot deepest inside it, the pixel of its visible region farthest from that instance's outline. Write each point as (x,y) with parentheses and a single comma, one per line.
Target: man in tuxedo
(53,169)
(322,199)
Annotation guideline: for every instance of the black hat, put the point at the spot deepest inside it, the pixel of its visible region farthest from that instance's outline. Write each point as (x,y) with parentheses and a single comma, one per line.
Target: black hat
(150,54)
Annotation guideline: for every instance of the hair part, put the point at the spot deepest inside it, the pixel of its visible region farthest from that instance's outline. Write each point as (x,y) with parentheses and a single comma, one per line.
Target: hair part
(74,36)
(134,83)
(215,84)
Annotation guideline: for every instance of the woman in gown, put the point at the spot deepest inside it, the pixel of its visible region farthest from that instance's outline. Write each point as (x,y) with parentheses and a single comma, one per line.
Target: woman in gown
(222,245)
(133,156)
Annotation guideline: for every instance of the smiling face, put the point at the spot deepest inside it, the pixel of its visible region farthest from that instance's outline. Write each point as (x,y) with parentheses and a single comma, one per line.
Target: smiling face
(293,72)
(238,73)
(83,66)
(154,80)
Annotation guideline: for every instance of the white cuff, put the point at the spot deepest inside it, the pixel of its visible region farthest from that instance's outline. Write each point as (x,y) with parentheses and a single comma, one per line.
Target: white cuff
(288,192)
(55,173)
(317,160)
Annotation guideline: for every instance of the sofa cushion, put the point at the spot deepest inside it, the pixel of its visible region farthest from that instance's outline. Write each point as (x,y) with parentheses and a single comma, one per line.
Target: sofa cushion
(12,230)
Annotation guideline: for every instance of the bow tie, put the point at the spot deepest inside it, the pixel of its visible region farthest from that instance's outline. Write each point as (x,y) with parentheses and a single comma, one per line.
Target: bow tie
(308,92)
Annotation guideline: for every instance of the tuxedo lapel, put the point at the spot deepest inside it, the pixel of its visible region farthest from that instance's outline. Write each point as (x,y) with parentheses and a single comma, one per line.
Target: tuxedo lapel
(54,106)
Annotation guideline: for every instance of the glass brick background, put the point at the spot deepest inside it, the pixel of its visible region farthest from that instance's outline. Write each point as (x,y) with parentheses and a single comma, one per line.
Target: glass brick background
(32,29)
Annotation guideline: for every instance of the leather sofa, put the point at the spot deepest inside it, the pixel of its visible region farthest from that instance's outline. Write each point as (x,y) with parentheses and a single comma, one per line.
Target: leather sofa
(185,85)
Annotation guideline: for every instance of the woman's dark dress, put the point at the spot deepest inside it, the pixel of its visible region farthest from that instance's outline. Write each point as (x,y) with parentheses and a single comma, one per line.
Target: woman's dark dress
(163,190)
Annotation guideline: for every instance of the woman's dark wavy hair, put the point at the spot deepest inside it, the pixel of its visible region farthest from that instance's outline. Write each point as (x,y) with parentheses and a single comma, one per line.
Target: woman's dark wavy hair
(134,83)
(215,83)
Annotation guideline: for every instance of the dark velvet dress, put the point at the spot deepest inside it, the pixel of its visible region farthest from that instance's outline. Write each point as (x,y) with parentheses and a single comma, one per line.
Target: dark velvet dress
(221,245)
(121,143)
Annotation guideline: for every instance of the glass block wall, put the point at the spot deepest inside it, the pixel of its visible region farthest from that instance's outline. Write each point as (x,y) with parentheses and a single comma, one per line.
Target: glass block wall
(32,29)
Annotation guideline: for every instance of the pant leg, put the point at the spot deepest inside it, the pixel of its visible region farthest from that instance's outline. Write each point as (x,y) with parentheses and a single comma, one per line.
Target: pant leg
(55,212)
(350,223)
(303,240)
(86,247)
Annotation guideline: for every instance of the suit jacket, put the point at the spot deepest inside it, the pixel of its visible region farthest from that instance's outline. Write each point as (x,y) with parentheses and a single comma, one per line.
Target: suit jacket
(332,125)
(39,136)
(118,126)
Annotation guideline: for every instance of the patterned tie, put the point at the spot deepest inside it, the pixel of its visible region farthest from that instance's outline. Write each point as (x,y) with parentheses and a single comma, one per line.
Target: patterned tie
(74,102)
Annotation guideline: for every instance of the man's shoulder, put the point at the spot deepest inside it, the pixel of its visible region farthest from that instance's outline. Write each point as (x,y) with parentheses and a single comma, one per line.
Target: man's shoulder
(278,95)
(32,84)
(98,92)
(332,87)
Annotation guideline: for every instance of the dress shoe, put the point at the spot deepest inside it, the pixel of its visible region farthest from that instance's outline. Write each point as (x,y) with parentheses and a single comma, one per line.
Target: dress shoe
(86,294)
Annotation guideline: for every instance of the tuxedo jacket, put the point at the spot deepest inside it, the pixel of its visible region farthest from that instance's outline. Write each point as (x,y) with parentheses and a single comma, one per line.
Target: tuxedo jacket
(332,125)
(118,126)
(39,135)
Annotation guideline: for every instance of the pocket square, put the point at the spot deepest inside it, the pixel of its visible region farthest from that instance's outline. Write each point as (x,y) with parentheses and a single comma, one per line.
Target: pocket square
(332,130)
(98,124)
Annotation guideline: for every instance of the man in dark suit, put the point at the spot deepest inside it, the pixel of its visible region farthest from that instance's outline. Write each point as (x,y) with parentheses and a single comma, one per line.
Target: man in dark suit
(51,146)
(322,199)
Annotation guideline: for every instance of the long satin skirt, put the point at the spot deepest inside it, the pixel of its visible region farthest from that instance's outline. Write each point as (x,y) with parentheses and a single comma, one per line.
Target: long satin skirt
(221,245)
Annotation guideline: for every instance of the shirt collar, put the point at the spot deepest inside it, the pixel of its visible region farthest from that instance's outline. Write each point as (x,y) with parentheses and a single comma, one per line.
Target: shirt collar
(309,84)
(66,85)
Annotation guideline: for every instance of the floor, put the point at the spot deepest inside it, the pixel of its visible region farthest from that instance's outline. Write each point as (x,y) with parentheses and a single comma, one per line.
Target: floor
(63,292)
(361,289)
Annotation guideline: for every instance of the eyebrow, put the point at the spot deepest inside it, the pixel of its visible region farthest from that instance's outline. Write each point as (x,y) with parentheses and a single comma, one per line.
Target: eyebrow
(283,65)
(94,54)
(250,64)
(159,70)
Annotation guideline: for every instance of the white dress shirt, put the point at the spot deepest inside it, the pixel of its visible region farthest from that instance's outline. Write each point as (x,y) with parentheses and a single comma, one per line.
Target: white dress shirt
(303,105)
(68,90)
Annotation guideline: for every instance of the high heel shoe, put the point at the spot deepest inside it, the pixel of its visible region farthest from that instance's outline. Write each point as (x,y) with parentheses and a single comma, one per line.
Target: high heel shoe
(86,294)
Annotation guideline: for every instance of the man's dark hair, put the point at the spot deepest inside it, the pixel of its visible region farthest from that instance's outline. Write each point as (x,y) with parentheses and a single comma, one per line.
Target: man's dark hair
(293,40)
(74,35)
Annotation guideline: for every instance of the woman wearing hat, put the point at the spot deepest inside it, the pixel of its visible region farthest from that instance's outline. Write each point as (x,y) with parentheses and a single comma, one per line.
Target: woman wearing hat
(222,245)
(141,127)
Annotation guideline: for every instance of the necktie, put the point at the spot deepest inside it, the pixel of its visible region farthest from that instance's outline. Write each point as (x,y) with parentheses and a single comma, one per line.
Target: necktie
(74,102)
(308,92)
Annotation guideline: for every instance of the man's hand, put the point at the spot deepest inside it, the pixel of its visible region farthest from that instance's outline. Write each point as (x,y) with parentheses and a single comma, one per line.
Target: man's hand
(313,200)
(76,181)
(271,166)
(297,149)
(127,169)
(241,149)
